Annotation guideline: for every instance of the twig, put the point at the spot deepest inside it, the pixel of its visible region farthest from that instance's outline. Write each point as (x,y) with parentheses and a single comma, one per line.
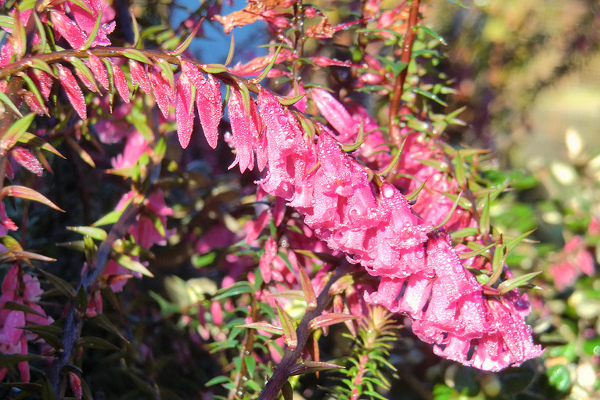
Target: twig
(409,38)
(290,358)
(74,321)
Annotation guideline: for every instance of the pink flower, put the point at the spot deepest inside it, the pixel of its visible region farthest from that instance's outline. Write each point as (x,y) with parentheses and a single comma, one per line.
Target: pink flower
(135,146)
(572,261)
(20,288)
(245,130)
(154,214)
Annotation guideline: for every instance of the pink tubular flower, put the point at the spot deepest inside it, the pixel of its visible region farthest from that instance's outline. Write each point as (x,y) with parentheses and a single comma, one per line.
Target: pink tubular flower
(421,273)
(572,261)
(244,130)
(144,230)
(23,289)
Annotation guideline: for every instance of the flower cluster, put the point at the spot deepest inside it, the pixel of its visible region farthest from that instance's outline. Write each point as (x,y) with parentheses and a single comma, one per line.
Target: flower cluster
(421,273)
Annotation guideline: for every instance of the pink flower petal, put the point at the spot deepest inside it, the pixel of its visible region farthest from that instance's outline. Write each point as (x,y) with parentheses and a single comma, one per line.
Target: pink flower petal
(67,29)
(335,113)
(244,129)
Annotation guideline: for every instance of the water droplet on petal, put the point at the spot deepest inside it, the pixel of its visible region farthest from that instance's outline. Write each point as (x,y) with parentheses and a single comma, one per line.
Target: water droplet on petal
(388,191)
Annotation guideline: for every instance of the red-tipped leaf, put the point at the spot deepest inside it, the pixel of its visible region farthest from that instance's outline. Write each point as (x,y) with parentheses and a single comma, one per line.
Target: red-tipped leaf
(184,111)
(73,90)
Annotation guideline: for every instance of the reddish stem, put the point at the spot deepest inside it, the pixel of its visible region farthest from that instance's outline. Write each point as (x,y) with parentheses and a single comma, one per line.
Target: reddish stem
(409,38)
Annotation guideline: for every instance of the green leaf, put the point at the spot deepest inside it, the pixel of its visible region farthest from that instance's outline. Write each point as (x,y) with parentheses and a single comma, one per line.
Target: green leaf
(103,322)
(111,217)
(10,104)
(42,32)
(15,131)
(429,95)
(309,367)
(269,66)
(592,346)
(476,252)
(465,232)
(217,380)
(214,68)
(137,56)
(94,342)
(94,233)
(60,284)
(233,290)
(289,330)
(518,281)
(8,360)
(27,193)
(34,89)
(92,35)
(250,364)
(133,265)
(484,218)
(16,255)
(394,66)
(559,377)
(81,67)
(288,101)
(307,288)
(433,34)
(330,319)
(263,326)
(166,308)
(11,305)
(445,221)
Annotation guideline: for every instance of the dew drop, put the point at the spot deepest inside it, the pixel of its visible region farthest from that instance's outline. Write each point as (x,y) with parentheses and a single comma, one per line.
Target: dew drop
(388,191)
(281,119)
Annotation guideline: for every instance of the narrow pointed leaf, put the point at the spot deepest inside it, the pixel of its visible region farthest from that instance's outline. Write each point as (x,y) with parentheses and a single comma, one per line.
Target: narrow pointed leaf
(133,265)
(99,70)
(330,319)
(139,76)
(120,81)
(73,90)
(184,111)
(16,255)
(269,66)
(137,56)
(479,251)
(36,141)
(12,305)
(92,35)
(231,50)
(27,193)
(518,281)
(307,288)
(263,326)
(484,218)
(450,213)
(15,131)
(309,367)
(289,331)
(84,74)
(214,68)
(94,342)
(60,284)
(95,233)
(4,98)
